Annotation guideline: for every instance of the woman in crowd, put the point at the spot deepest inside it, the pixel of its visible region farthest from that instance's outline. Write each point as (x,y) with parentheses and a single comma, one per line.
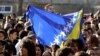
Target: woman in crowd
(27,48)
(39,49)
(65,51)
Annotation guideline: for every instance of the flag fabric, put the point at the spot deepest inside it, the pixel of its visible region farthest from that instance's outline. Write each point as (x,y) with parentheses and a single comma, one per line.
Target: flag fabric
(76,31)
(51,28)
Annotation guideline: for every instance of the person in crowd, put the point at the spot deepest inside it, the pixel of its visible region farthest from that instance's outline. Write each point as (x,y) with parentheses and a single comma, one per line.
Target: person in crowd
(19,27)
(31,37)
(54,48)
(76,45)
(86,25)
(90,32)
(85,34)
(12,36)
(2,49)
(27,48)
(65,51)
(93,42)
(22,34)
(13,16)
(26,25)
(93,46)
(49,8)
(30,33)
(28,28)
(47,53)
(95,26)
(7,23)
(80,45)
(39,49)
(94,51)
(70,43)
(2,35)
(10,48)
(21,20)
(11,42)
(67,43)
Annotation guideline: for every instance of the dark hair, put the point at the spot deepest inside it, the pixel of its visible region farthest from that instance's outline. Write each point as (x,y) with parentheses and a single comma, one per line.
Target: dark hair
(3,32)
(14,14)
(11,31)
(9,47)
(87,23)
(29,28)
(29,45)
(22,34)
(98,32)
(2,42)
(95,21)
(97,27)
(80,44)
(94,41)
(55,47)
(65,51)
(67,43)
(1,16)
(30,37)
(90,29)
(18,27)
(41,47)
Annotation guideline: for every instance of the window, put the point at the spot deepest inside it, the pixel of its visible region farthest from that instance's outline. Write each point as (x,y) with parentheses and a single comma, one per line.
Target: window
(5,8)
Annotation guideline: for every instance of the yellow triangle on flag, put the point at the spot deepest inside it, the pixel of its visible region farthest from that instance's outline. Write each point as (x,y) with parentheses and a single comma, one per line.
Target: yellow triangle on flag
(76,30)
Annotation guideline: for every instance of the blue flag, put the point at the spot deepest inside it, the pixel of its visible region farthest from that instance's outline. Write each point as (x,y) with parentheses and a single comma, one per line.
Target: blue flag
(51,28)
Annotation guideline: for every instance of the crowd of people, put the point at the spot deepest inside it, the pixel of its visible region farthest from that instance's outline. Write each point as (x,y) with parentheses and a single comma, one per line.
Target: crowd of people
(17,39)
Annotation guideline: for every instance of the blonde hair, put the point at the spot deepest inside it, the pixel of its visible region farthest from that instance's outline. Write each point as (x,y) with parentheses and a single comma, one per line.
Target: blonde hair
(47,6)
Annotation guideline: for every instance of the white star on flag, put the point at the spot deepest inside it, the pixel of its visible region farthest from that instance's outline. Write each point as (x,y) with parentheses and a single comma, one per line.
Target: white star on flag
(74,18)
(69,25)
(66,29)
(58,38)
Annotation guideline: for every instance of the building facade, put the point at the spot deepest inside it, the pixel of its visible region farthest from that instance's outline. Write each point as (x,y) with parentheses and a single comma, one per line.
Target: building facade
(19,6)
